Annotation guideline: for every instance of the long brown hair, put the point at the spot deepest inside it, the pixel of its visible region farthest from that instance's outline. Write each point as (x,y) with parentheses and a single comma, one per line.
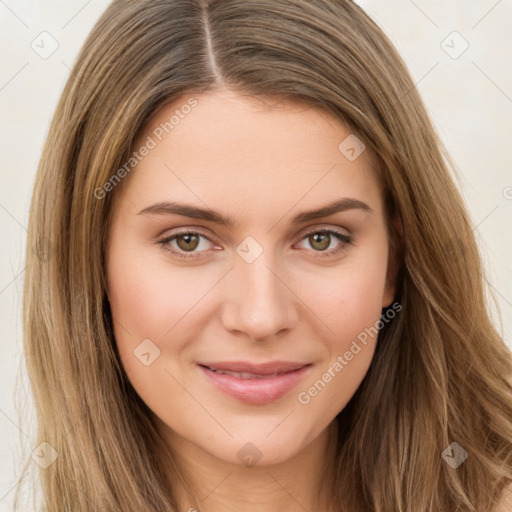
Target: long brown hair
(441,373)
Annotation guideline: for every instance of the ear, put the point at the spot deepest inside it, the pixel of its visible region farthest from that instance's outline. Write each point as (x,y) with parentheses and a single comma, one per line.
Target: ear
(393,263)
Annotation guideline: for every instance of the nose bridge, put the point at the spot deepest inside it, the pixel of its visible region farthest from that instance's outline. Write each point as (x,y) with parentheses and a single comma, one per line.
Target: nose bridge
(261,305)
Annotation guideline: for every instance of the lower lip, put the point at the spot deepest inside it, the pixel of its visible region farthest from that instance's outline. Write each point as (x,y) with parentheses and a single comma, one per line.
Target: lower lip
(256,391)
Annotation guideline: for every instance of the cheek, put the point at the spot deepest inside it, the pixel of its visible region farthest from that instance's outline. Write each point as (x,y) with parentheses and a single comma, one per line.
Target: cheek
(347,298)
(149,305)
(350,305)
(360,302)
(148,299)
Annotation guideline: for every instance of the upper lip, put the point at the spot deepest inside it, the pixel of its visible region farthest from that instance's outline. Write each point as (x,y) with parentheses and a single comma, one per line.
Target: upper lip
(268,368)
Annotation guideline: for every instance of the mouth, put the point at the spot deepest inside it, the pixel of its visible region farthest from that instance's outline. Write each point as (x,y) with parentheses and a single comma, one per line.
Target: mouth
(255,384)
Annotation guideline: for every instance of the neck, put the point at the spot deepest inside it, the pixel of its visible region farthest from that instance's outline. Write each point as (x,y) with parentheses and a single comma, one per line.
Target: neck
(298,484)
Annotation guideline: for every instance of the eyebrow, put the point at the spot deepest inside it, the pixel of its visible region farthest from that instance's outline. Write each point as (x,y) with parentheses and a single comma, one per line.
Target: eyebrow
(186,210)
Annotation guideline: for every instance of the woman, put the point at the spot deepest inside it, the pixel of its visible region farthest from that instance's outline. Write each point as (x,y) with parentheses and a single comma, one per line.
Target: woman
(262,289)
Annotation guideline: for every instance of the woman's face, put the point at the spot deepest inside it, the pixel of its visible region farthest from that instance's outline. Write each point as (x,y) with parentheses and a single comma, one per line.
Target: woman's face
(221,259)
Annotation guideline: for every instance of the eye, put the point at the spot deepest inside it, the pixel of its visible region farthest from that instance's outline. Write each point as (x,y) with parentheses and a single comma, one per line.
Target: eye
(185,242)
(321,239)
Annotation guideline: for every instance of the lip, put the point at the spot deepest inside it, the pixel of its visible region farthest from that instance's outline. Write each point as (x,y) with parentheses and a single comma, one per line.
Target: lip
(266,383)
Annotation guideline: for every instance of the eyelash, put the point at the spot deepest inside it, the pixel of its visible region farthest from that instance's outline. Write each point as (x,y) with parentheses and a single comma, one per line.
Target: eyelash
(342,237)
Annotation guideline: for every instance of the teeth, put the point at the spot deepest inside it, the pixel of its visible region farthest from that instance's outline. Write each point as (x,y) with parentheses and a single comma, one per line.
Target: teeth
(244,375)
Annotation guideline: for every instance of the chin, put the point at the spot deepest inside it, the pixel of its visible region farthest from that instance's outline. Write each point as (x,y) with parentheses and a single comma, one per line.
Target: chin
(258,452)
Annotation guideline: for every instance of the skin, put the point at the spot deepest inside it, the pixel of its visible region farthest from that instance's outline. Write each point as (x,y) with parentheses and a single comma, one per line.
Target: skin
(260,163)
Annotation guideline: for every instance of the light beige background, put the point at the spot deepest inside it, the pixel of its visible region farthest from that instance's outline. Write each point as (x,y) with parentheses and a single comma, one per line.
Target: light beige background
(469,97)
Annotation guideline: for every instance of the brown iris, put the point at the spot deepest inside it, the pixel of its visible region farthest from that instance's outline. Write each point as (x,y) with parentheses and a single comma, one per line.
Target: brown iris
(322,239)
(190,241)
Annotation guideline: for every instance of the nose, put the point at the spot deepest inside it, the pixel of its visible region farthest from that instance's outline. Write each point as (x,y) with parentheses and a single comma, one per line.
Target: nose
(260,302)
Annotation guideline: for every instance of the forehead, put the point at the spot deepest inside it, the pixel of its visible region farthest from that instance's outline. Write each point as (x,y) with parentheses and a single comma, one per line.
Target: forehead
(226,148)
